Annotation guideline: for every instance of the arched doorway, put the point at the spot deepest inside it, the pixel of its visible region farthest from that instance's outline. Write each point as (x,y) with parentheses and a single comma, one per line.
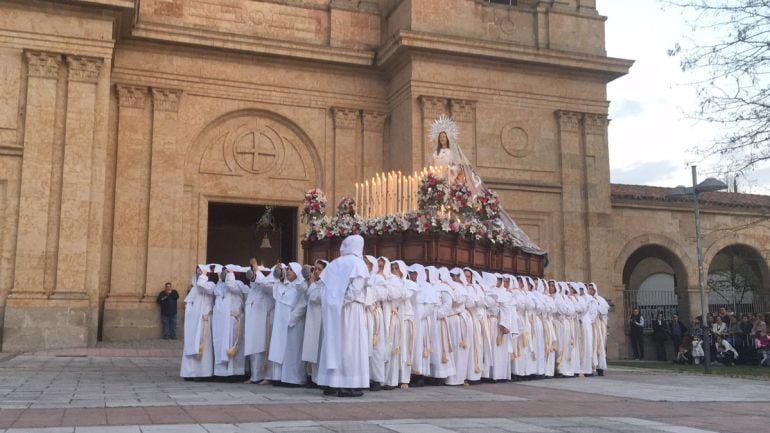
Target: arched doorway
(655,280)
(241,165)
(737,280)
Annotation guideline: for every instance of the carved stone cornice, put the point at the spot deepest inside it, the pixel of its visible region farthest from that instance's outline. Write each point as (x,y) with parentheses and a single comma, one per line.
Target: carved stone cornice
(569,120)
(84,69)
(463,111)
(131,96)
(433,107)
(42,64)
(166,99)
(374,121)
(346,118)
(595,123)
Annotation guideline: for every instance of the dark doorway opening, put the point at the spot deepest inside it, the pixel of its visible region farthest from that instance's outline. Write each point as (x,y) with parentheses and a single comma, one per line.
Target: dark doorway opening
(235,234)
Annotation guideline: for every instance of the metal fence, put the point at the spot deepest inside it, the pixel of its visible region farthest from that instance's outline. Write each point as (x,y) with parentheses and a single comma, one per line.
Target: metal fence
(758,304)
(650,302)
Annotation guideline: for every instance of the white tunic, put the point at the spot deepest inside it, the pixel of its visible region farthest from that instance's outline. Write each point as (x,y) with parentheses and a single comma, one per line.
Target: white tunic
(288,329)
(228,328)
(198,355)
(259,319)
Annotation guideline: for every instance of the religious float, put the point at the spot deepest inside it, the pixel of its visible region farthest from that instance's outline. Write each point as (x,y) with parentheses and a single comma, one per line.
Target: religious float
(442,215)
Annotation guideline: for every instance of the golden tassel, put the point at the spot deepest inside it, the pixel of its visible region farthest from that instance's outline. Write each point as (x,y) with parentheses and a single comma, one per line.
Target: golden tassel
(410,352)
(463,335)
(394,319)
(476,368)
(425,343)
(376,330)
(267,341)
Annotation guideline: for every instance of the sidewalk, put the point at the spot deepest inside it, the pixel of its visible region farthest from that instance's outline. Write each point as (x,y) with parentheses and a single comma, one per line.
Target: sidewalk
(104,389)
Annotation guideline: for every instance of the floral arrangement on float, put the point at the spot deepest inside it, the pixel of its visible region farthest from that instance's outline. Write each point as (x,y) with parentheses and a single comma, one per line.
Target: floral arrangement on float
(460,199)
(314,205)
(487,205)
(347,207)
(432,192)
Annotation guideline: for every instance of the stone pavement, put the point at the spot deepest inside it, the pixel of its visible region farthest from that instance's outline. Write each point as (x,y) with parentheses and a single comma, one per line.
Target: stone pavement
(109,392)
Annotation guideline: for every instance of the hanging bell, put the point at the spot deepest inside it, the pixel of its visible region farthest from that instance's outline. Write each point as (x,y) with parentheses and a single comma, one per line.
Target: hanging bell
(265,243)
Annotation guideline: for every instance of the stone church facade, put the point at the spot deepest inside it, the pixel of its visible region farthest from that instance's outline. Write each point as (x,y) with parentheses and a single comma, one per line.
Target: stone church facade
(122,121)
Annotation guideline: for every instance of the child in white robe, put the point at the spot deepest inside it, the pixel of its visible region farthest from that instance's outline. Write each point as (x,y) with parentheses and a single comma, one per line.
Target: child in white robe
(285,355)
(311,343)
(375,294)
(258,312)
(228,326)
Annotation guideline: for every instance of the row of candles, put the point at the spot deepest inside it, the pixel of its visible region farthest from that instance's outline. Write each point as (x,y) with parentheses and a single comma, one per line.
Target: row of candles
(390,193)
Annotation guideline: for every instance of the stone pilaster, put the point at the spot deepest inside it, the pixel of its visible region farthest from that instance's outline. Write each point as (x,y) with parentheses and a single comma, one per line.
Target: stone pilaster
(347,152)
(166,191)
(43,74)
(574,206)
(76,178)
(432,108)
(373,154)
(130,224)
(464,114)
(597,166)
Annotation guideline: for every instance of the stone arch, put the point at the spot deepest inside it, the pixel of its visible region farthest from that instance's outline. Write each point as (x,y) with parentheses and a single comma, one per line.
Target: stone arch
(743,242)
(677,253)
(254,143)
(250,157)
(734,263)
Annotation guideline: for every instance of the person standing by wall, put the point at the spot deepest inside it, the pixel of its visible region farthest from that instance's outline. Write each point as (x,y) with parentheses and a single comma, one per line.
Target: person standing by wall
(660,335)
(168,299)
(636,322)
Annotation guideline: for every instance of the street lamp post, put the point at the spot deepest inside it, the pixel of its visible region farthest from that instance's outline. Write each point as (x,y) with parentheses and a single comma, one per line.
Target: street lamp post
(707,185)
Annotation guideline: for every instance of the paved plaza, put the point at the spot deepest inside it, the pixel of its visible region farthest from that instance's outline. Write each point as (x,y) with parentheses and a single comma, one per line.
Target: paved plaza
(125,389)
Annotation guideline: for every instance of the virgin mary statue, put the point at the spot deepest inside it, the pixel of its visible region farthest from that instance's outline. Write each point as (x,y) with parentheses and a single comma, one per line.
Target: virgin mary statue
(448,159)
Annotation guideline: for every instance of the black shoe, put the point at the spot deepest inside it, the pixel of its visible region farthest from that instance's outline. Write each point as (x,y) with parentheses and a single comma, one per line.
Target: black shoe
(388,388)
(346,392)
(375,386)
(418,381)
(330,391)
(311,385)
(600,372)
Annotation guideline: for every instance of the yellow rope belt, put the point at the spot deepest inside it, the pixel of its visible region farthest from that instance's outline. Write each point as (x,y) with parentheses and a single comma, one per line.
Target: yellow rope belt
(446,342)
(233,350)
(204,336)
(426,349)
(410,351)
(476,368)
(394,319)
(376,330)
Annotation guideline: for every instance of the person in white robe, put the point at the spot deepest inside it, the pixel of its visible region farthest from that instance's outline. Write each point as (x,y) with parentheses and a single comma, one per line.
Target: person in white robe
(376,292)
(460,323)
(442,358)
(343,366)
(285,354)
(551,336)
(587,327)
(579,307)
(477,303)
(506,328)
(392,323)
(311,343)
(564,321)
(198,351)
(258,312)
(426,299)
(536,368)
(228,326)
(406,310)
(600,329)
(522,350)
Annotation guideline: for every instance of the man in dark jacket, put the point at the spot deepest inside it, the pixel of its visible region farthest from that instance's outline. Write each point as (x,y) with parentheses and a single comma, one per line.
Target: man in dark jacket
(659,336)
(677,330)
(167,300)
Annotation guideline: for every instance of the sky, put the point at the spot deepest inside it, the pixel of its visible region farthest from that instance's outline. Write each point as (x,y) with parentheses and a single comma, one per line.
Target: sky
(651,135)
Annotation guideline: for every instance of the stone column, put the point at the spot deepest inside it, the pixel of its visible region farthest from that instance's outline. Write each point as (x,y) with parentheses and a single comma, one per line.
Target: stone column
(464,114)
(166,191)
(347,152)
(76,178)
(432,109)
(43,73)
(573,180)
(129,239)
(373,154)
